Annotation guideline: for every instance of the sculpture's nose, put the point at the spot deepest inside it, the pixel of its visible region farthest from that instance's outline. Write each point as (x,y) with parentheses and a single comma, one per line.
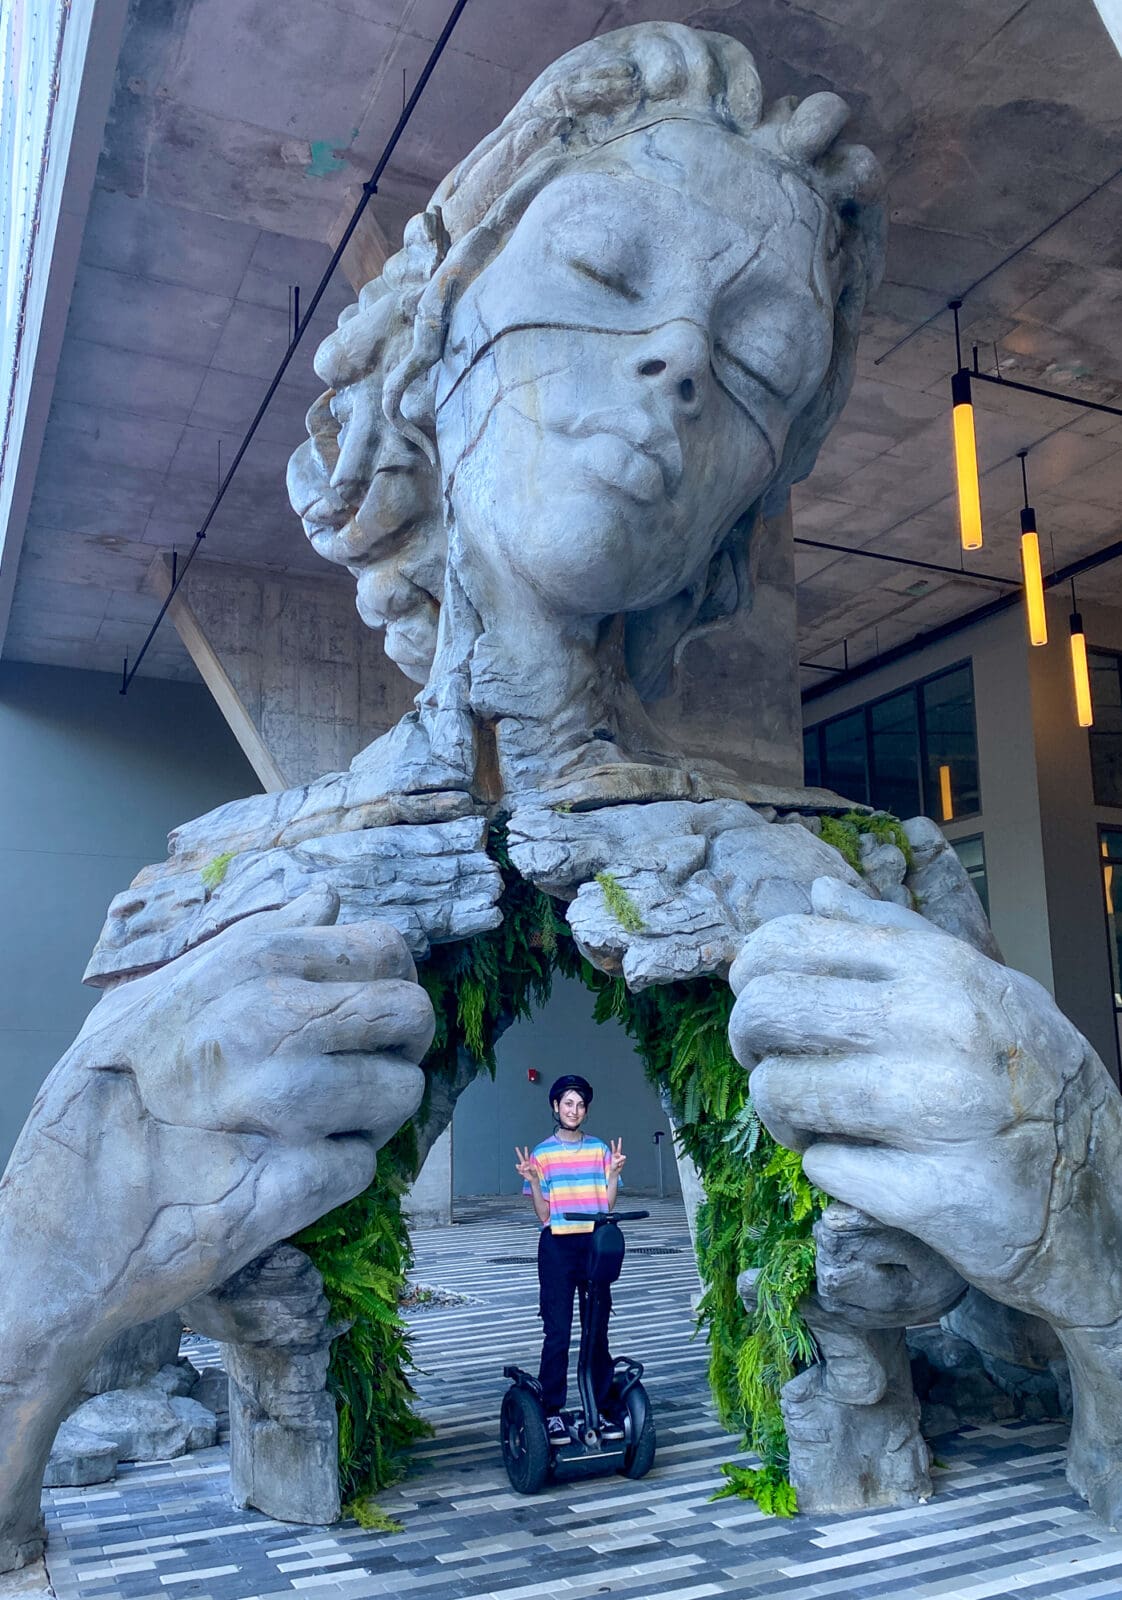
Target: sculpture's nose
(675,358)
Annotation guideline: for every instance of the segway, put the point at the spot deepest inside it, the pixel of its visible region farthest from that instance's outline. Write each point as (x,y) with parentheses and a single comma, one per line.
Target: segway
(530,1456)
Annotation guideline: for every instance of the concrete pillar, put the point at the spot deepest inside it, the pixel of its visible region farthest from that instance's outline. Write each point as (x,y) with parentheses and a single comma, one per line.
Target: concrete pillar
(429,1202)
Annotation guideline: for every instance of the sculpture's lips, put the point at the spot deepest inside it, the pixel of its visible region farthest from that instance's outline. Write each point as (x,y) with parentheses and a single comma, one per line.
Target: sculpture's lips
(643,465)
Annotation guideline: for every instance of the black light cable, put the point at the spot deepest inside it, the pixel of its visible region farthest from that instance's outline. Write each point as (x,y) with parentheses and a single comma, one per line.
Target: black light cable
(369,189)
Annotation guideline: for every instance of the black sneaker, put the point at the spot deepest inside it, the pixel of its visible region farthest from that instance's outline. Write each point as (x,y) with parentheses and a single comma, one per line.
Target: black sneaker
(610,1429)
(556,1430)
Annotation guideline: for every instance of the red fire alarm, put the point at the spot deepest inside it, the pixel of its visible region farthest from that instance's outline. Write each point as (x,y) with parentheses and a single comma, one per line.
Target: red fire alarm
(533,1075)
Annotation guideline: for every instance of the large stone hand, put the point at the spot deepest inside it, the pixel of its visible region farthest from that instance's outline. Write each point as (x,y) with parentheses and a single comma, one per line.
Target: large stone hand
(946,1095)
(204,1112)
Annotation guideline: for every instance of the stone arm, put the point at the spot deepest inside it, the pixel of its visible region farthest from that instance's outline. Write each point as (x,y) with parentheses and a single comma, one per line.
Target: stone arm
(205,1111)
(945,1095)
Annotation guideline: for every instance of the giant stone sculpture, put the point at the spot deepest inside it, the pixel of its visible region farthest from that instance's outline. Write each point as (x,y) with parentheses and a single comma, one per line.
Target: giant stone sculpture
(553,430)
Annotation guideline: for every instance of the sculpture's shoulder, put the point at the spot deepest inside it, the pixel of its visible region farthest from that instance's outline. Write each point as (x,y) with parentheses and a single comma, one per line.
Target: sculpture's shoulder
(396,837)
(668,890)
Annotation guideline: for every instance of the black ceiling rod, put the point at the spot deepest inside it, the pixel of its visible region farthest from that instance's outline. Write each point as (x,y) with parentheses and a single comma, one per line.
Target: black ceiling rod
(909,561)
(992,608)
(369,189)
(1046,394)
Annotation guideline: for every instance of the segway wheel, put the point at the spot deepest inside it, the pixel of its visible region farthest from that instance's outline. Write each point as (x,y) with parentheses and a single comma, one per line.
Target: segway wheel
(524,1441)
(639,1456)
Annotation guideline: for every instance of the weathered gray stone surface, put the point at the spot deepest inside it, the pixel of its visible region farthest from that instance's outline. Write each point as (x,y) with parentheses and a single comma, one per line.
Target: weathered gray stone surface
(134,1356)
(212,1390)
(700,878)
(941,888)
(853,1419)
(433,883)
(274,1321)
(205,1111)
(946,1096)
(79,1457)
(145,1423)
(953,1386)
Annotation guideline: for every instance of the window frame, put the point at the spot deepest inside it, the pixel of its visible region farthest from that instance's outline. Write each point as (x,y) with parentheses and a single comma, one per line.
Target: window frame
(915,688)
(1115,656)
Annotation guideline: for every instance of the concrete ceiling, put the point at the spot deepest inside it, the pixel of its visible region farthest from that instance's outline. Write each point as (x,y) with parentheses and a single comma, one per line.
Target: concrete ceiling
(240,131)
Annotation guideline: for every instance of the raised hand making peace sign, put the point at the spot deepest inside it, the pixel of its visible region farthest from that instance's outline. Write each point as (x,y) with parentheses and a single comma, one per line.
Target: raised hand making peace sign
(616,1164)
(526,1167)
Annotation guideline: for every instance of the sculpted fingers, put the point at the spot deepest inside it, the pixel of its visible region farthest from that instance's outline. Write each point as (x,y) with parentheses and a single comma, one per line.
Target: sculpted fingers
(338,1097)
(816,946)
(830,897)
(801,1099)
(391,1017)
(781,1014)
(894,1186)
(359,952)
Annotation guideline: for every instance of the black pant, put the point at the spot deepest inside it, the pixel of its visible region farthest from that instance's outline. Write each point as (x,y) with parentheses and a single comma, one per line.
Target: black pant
(562,1270)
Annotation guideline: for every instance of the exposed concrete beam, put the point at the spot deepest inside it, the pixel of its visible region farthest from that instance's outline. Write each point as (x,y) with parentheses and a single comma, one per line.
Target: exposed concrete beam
(301,680)
(91,44)
(216,678)
(368,249)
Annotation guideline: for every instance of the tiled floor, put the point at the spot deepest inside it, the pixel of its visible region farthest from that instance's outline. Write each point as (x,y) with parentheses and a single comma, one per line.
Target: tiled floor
(1002,1522)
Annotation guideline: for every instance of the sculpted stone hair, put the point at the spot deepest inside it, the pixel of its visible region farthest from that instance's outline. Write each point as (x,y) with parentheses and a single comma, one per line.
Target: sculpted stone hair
(597,93)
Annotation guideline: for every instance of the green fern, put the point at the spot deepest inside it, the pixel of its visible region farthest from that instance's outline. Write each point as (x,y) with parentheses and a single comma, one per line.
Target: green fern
(769,1488)
(215,870)
(620,903)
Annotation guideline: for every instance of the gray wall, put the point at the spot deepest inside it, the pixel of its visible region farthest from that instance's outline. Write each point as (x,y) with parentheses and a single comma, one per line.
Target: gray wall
(494,1115)
(90,785)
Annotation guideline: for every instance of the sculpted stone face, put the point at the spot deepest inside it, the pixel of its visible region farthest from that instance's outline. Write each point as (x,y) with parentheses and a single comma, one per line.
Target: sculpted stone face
(618,383)
(615,337)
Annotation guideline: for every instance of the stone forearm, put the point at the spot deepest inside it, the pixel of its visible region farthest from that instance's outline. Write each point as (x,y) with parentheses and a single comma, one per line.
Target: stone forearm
(39,1372)
(1094,1458)
(1075,1275)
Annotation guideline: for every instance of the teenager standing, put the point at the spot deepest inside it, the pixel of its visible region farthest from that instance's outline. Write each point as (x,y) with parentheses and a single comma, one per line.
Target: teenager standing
(570,1172)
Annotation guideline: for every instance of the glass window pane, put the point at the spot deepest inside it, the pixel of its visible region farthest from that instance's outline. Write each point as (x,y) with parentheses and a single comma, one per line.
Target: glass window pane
(972,853)
(951,754)
(894,754)
(1111,843)
(1106,691)
(843,756)
(812,767)
(1112,887)
(1105,738)
(1106,766)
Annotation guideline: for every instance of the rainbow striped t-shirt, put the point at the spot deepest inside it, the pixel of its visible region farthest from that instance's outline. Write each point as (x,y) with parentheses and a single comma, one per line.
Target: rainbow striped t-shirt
(574,1177)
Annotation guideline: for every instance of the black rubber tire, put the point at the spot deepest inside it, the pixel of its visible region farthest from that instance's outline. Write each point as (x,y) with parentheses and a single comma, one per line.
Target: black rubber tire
(526,1453)
(639,1457)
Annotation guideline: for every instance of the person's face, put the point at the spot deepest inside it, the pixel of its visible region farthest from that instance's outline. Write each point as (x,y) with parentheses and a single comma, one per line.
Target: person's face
(571,1110)
(618,383)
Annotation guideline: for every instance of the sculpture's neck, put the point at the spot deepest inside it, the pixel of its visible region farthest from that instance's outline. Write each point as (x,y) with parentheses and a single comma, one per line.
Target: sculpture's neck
(553,691)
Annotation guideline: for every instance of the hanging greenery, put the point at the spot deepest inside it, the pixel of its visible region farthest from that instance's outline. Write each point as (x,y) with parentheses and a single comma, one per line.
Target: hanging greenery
(758,1211)
(845,834)
(362,1249)
(363,1253)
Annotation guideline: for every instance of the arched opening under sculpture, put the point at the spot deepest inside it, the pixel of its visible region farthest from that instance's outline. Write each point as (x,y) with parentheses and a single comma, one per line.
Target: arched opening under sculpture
(758,1212)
